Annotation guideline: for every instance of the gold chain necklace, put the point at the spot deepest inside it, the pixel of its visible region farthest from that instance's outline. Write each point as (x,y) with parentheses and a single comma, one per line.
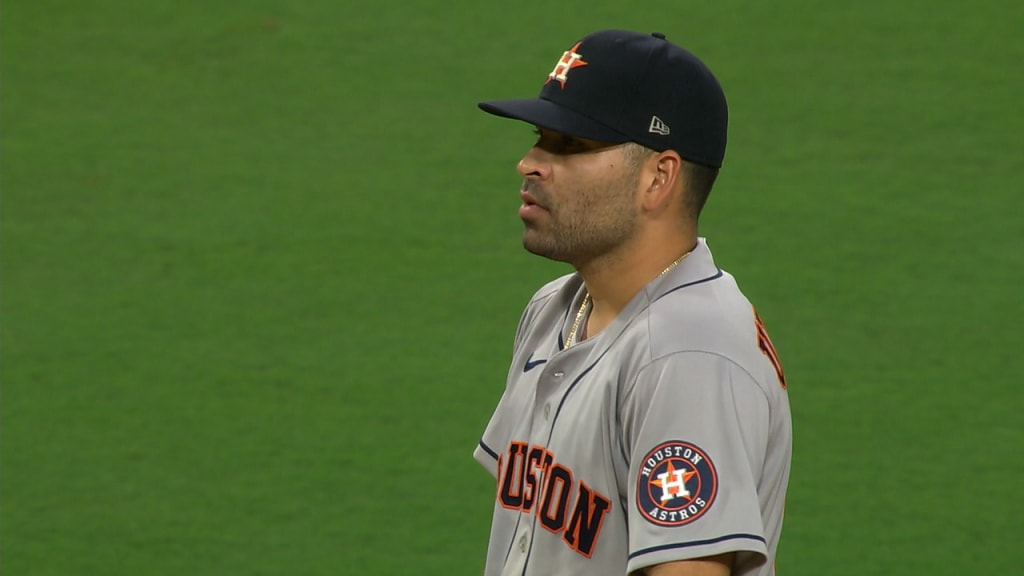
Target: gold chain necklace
(586,300)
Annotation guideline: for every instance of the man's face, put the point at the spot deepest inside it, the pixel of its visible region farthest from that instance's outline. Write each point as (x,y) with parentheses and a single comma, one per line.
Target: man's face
(579,198)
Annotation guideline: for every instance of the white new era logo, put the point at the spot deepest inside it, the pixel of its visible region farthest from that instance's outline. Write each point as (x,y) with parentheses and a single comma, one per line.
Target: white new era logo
(658,127)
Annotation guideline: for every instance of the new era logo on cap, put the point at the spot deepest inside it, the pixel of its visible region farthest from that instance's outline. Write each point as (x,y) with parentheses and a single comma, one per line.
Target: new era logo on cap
(659,127)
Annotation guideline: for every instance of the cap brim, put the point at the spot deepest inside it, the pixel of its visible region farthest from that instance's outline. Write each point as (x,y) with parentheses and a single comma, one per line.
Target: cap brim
(547,114)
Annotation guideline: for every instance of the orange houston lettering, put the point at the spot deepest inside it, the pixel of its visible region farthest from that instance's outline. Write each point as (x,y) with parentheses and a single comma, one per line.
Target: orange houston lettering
(532,481)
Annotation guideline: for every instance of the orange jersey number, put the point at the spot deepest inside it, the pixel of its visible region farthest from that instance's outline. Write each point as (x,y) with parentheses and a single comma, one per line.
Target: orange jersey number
(768,349)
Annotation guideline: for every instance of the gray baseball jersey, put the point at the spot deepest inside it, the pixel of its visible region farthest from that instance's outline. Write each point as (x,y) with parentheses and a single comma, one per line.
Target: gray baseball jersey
(664,437)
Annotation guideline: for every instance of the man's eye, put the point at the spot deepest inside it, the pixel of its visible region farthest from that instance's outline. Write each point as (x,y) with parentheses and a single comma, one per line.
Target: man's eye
(559,143)
(572,145)
(571,142)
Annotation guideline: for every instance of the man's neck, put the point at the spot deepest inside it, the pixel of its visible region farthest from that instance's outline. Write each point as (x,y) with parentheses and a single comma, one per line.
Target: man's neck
(614,279)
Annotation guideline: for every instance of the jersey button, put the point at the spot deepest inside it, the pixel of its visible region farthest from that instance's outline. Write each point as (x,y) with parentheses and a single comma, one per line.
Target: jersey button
(558,374)
(547,410)
(524,541)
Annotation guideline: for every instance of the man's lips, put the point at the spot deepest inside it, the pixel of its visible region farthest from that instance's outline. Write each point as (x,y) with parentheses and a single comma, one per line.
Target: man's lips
(529,199)
(531,208)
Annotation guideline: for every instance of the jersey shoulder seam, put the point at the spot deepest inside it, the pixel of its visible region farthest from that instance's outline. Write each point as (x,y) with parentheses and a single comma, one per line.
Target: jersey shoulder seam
(654,360)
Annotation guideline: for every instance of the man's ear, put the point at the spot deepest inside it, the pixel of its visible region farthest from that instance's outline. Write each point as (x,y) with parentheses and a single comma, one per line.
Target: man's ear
(661,175)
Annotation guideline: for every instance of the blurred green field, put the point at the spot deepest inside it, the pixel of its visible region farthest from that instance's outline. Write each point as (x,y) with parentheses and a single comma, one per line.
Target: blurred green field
(260,271)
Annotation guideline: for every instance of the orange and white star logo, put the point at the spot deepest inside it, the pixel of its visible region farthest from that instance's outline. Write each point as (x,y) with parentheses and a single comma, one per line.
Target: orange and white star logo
(676,484)
(570,59)
(676,487)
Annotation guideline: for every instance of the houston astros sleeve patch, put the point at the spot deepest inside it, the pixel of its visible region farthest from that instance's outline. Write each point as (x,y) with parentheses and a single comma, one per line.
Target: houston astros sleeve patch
(677,484)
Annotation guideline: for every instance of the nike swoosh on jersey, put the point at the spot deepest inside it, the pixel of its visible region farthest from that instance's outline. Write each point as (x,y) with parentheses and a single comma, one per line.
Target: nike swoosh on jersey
(531,363)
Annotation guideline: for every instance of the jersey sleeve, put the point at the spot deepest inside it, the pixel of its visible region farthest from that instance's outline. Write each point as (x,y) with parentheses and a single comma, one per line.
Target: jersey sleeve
(695,428)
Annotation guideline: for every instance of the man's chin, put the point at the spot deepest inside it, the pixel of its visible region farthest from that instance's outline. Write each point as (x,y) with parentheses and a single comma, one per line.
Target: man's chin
(538,247)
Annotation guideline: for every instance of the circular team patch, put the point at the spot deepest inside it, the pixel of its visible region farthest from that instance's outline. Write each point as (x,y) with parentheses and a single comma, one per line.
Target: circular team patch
(677,484)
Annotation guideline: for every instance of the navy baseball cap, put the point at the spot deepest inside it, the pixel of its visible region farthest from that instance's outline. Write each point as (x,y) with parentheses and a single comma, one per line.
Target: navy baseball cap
(620,86)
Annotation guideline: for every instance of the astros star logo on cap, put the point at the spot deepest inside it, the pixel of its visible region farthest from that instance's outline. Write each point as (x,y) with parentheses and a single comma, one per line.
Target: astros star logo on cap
(570,59)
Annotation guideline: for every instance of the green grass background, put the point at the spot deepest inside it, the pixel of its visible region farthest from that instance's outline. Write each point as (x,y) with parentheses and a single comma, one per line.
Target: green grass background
(261,270)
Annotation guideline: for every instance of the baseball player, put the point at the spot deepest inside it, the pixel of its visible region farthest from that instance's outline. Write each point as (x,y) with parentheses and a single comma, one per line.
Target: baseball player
(645,426)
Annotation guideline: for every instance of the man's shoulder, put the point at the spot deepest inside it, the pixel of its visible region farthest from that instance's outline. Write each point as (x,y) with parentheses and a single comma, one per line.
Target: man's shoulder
(712,323)
(552,289)
(712,317)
